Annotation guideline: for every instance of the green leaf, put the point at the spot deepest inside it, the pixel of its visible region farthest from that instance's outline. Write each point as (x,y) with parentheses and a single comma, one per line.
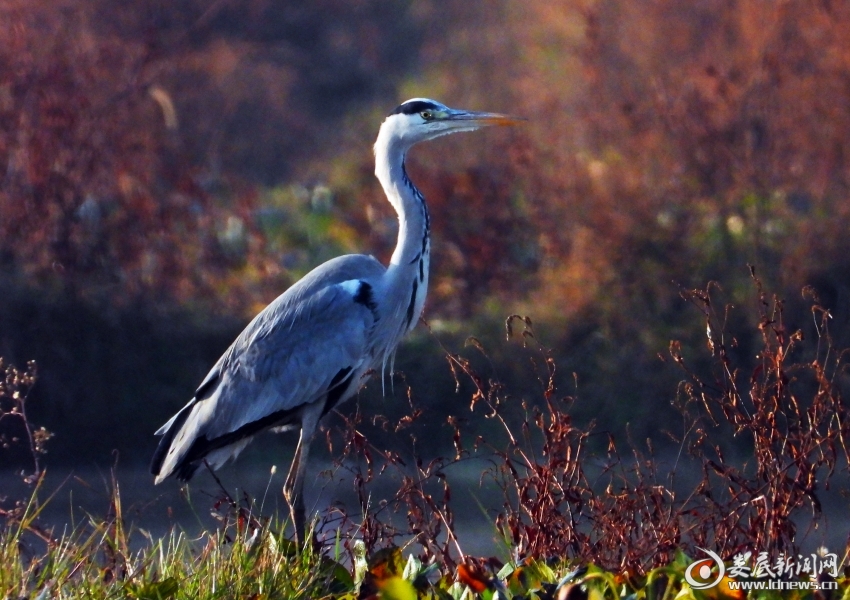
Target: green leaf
(397,588)
(530,576)
(155,590)
(338,578)
(412,568)
(387,562)
(506,571)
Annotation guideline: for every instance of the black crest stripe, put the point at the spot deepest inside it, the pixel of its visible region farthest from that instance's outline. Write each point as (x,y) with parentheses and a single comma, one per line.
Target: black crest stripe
(411,108)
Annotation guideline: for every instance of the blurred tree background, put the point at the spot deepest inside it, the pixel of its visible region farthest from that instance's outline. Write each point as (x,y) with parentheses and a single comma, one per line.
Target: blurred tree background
(168,168)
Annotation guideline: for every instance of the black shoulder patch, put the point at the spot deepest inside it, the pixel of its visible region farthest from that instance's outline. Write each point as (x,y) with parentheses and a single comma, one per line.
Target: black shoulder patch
(411,108)
(365,296)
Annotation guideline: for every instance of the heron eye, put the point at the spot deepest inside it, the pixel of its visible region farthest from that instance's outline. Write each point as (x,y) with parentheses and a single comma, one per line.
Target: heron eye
(427,115)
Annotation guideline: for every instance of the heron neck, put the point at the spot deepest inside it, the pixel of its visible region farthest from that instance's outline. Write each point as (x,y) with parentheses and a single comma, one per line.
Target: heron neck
(409,204)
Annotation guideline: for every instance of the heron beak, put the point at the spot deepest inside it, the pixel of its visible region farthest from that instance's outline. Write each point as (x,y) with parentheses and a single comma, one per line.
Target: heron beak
(481,119)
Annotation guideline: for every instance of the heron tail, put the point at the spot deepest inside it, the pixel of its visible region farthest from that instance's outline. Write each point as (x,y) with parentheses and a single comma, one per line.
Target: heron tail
(173,426)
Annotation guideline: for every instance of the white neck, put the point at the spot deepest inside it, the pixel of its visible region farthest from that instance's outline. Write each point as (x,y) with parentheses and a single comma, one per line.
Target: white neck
(405,283)
(413,220)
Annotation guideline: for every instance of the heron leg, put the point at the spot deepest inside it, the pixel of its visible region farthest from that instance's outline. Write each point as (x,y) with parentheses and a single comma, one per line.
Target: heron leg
(292,492)
(293,488)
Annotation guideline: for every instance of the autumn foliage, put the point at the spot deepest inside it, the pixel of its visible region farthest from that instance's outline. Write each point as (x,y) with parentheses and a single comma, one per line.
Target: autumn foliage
(665,142)
(199,157)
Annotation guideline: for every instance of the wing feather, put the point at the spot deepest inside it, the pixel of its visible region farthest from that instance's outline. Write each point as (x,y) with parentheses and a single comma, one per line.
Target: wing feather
(287,357)
(292,361)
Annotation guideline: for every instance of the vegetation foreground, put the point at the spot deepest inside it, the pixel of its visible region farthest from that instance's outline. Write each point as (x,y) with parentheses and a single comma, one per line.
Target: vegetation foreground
(203,156)
(252,560)
(247,559)
(577,520)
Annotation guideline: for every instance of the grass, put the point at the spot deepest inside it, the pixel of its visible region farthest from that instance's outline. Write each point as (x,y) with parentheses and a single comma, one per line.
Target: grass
(248,558)
(103,558)
(578,519)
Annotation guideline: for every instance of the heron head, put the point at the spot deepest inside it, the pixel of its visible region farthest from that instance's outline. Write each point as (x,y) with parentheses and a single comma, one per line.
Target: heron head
(421,119)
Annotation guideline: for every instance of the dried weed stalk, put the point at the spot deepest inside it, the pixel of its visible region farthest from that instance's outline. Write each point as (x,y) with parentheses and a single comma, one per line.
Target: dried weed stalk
(789,413)
(15,386)
(624,513)
(423,495)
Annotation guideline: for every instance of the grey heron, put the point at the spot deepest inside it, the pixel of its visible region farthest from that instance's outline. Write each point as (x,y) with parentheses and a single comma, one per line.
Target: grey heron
(310,349)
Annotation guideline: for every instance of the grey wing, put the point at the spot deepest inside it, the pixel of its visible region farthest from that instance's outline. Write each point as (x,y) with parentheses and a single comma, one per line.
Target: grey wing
(293,361)
(310,340)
